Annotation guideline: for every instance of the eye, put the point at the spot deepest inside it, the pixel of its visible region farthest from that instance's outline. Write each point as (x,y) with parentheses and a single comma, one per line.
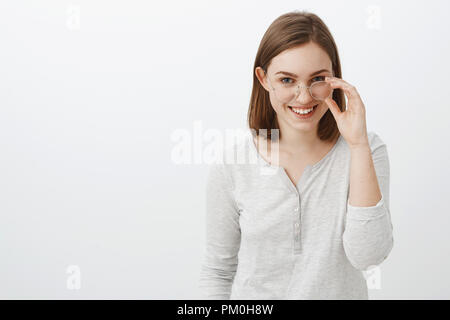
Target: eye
(284,82)
(321,78)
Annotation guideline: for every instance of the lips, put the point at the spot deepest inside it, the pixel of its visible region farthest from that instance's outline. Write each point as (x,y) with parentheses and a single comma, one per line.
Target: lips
(304,108)
(305,116)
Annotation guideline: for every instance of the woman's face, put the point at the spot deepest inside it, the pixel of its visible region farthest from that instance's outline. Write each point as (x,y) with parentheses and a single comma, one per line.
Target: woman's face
(302,62)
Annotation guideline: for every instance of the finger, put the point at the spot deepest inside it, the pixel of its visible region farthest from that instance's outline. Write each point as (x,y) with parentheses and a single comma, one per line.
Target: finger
(349,90)
(334,108)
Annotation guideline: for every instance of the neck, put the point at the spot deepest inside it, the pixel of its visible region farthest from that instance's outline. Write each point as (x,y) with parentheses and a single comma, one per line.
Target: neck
(298,142)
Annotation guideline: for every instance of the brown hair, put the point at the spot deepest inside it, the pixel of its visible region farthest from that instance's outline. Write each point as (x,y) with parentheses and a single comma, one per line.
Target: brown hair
(289,30)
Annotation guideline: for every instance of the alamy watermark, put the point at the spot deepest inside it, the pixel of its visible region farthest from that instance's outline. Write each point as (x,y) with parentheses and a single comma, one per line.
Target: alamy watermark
(73,281)
(374,17)
(373,277)
(199,146)
(73,17)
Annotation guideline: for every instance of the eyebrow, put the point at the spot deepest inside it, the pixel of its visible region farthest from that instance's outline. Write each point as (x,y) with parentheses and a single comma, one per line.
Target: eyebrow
(295,76)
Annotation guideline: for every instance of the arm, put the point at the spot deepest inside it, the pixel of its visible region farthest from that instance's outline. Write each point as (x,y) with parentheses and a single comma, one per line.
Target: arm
(368,235)
(223,236)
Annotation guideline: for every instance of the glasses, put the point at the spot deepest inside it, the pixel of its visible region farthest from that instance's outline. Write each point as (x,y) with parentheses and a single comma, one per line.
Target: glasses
(287,92)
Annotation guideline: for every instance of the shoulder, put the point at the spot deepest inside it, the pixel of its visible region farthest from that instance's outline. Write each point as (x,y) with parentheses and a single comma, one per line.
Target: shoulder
(375,141)
(229,157)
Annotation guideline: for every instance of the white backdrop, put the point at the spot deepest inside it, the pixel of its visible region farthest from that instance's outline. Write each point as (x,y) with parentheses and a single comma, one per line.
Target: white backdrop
(92,204)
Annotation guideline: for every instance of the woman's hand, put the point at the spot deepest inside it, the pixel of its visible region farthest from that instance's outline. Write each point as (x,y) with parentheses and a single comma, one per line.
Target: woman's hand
(351,122)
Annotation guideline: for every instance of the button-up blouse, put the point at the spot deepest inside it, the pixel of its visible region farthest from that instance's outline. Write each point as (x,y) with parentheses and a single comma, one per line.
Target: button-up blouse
(267,238)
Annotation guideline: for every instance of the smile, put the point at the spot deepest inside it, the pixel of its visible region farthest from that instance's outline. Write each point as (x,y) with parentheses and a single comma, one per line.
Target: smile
(303,113)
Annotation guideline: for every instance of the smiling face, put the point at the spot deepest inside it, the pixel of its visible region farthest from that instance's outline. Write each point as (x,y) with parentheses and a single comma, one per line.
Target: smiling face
(304,64)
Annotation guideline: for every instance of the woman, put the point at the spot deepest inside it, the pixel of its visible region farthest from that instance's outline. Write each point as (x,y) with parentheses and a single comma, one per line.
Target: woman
(308,229)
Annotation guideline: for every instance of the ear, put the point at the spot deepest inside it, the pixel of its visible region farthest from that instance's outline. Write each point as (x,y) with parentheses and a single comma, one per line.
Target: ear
(262,77)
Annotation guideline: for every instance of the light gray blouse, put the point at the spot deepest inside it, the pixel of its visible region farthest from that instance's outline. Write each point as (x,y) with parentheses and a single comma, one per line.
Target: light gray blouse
(267,238)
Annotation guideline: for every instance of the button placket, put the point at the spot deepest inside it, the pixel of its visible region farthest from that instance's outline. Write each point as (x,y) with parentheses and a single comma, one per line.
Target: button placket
(297,226)
(297,210)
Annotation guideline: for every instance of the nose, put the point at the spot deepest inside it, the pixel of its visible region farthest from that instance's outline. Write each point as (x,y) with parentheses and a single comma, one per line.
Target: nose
(304,97)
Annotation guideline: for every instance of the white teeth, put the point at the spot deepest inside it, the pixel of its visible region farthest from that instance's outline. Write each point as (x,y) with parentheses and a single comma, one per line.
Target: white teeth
(300,111)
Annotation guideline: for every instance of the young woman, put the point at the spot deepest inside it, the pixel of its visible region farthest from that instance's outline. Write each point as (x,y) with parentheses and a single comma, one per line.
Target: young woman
(308,229)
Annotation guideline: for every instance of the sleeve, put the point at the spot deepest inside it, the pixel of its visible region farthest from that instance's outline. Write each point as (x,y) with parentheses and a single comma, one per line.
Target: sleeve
(223,236)
(368,236)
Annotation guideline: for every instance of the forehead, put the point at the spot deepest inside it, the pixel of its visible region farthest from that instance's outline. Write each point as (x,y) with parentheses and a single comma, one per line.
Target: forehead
(302,60)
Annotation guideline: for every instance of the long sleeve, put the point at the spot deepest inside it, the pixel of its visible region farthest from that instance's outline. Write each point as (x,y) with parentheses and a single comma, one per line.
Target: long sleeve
(368,236)
(223,236)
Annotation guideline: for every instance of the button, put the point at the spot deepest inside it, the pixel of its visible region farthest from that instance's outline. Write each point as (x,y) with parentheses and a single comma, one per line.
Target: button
(296,209)
(297,224)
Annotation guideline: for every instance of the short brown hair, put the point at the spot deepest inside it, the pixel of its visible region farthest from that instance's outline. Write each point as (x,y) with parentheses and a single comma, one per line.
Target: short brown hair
(289,30)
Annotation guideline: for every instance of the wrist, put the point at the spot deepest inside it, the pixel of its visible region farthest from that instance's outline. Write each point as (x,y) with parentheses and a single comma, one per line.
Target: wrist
(360,146)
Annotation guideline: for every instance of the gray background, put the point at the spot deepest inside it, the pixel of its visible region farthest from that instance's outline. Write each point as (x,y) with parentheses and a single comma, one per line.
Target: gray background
(91,92)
